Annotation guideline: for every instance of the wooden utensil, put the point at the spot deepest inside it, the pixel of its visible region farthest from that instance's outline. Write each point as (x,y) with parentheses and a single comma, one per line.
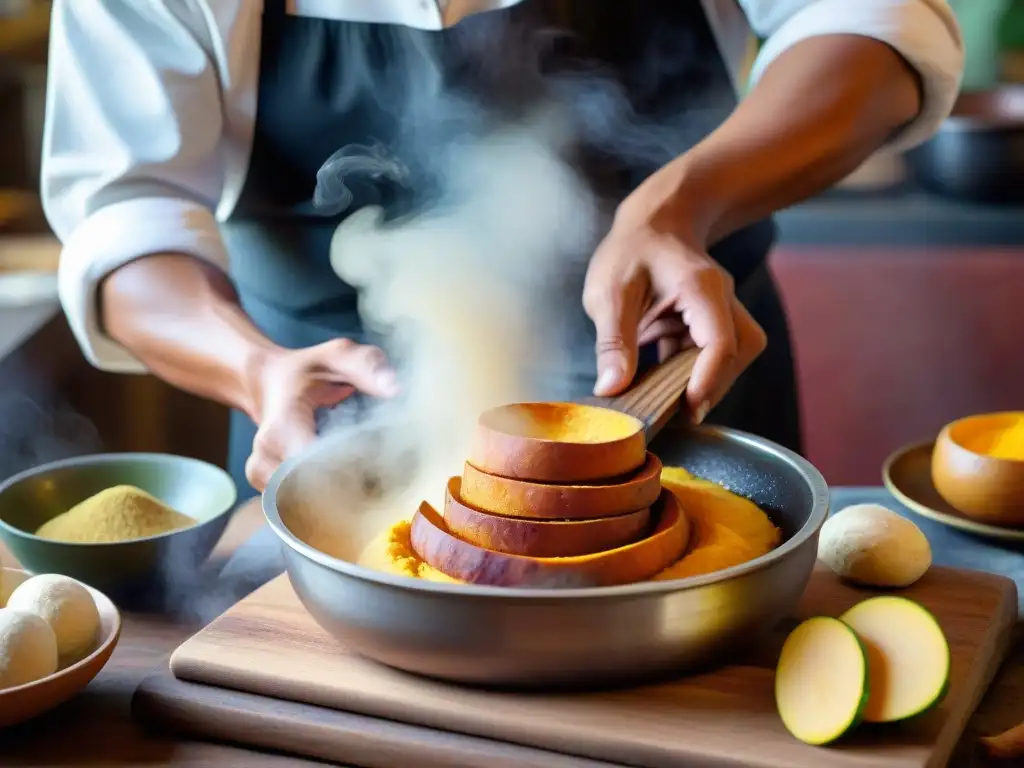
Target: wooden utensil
(655,397)
(269,645)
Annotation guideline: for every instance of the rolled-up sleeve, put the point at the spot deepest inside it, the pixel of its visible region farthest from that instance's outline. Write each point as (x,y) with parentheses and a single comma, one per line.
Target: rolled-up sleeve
(924,32)
(132,155)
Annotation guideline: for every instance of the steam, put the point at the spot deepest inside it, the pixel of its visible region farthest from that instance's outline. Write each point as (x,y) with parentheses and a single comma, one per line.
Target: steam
(470,265)
(40,427)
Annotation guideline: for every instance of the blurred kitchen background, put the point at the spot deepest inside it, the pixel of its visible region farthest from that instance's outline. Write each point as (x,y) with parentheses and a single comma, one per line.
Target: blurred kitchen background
(905,283)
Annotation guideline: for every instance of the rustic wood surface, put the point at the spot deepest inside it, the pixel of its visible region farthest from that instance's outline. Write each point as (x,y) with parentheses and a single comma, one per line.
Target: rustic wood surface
(269,645)
(96,728)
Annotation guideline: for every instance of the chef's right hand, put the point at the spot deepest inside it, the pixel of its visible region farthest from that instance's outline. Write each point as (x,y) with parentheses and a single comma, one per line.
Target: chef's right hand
(292,384)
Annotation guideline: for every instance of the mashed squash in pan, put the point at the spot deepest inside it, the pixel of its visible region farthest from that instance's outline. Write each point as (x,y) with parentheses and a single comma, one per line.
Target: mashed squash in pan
(726,530)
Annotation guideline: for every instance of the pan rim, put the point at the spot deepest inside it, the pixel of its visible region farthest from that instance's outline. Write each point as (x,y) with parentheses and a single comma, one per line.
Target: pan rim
(819,511)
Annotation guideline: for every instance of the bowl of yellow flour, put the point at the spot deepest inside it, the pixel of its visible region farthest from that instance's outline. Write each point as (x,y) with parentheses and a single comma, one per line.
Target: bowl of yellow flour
(119,522)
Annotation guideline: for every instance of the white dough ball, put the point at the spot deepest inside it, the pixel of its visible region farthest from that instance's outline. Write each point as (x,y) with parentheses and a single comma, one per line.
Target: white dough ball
(28,648)
(67,607)
(871,545)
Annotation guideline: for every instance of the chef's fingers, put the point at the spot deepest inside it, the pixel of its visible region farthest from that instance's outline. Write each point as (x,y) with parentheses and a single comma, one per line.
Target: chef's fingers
(615,304)
(259,469)
(669,346)
(287,429)
(363,366)
(265,457)
(617,350)
(660,328)
(704,298)
(751,342)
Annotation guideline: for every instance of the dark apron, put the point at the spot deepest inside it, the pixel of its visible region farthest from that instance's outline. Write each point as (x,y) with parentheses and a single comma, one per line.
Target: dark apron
(326,84)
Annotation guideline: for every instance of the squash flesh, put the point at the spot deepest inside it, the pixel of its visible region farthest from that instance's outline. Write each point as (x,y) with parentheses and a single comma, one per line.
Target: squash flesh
(908,656)
(821,682)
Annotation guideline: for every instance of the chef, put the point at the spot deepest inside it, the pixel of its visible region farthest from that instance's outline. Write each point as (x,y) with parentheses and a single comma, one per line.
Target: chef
(183,140)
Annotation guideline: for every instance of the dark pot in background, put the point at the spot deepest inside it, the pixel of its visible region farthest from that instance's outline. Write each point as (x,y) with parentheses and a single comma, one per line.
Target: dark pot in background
(978,153)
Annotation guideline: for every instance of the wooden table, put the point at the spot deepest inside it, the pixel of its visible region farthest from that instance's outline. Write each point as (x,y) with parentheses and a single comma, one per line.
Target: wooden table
(96,727)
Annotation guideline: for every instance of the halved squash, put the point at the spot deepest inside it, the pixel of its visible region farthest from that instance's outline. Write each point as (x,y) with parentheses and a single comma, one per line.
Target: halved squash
(821,682)
(908,656)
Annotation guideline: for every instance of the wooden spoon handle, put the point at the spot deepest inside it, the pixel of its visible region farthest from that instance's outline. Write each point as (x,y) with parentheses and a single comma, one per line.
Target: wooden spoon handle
(655,398)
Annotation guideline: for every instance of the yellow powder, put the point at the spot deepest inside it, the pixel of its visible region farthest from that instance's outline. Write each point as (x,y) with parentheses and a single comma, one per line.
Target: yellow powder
(726,530)
(120,513)
(1007,443)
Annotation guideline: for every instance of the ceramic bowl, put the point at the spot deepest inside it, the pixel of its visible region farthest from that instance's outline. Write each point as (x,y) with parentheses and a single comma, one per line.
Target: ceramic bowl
(981,487)
(202,491)
(24,702)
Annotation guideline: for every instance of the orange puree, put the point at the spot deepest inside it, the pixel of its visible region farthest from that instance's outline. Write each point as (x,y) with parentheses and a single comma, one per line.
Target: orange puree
(1005,443)
(727,530)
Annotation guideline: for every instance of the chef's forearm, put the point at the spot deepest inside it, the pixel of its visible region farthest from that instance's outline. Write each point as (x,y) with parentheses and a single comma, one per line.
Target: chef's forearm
(182,319)
(819,110)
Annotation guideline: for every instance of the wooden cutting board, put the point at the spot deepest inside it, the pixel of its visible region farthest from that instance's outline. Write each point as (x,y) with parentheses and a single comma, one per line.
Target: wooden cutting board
(219,714)
(269,645)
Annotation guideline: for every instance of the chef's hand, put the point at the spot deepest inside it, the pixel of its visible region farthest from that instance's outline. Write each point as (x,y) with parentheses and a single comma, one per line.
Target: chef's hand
(650,280)
(293,384)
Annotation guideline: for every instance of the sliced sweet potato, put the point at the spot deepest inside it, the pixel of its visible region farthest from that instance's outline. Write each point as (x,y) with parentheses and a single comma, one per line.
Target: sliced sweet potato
(441,549)
(521,498)
(557,443)
(539,538)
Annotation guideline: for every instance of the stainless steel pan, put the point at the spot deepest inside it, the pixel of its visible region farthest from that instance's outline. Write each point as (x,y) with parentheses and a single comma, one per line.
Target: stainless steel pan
(529,637)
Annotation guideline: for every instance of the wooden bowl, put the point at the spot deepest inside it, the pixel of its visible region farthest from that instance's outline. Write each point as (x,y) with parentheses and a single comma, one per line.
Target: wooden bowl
(558,443)
(640,560)
(981,487)
(509,497)
(24,702)
(539,538)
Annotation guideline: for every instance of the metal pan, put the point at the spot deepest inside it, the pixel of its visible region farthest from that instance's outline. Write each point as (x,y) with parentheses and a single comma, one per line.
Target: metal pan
(520,637)
(978,152)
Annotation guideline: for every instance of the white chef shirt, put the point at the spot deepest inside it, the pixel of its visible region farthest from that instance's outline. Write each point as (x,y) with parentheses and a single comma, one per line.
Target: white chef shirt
(151,106)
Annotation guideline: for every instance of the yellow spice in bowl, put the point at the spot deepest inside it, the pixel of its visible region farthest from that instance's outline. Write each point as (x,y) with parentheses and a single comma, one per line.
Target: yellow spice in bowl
(726,530)
(121,513)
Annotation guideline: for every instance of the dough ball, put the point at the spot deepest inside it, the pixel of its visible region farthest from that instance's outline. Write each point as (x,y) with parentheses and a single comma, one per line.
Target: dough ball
(871,545)
(6,587)
(28,648)
(67,607)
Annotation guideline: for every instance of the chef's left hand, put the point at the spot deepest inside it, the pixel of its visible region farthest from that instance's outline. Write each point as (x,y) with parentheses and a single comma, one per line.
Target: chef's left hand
(651,280)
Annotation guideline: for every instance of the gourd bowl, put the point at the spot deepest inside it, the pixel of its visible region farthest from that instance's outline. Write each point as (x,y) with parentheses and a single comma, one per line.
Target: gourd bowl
(981,487)
(532,638)
(121,569)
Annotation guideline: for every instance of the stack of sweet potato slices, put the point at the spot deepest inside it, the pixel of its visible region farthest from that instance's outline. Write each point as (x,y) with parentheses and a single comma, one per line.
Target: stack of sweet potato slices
(554,495)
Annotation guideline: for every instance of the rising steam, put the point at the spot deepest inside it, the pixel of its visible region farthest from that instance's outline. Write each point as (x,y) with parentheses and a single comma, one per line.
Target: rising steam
(473,278)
